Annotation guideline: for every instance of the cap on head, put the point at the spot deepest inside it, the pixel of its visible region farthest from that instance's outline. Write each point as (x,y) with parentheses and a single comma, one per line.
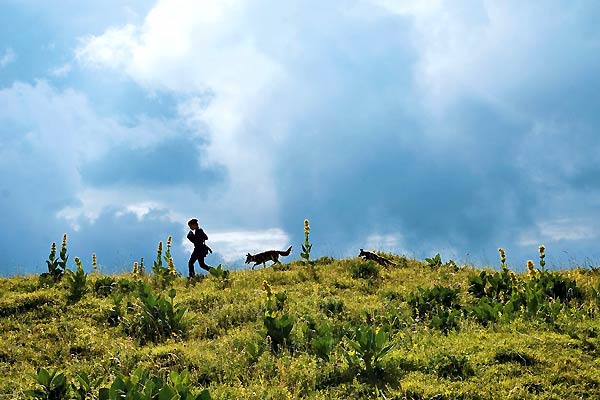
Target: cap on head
(192,221)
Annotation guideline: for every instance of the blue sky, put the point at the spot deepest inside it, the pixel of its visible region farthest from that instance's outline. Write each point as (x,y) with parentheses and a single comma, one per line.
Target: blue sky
(408,126)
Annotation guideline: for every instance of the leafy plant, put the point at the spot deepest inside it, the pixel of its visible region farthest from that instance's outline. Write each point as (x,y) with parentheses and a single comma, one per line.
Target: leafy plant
(53,385)
(435,261)
(451,366)
(56,265)
(438,304)
(320,338)
(368,346)
(278,329)
(278,326)
(486,310)
(115,314)
(140,385)
(81,389)
(155,318)
(364,269)
(331,306)
(104,286)
(76,282)
(505,355)
(307,246)
(220,274)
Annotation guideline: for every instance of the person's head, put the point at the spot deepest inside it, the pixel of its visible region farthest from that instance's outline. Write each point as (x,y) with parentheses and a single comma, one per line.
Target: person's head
(193,223)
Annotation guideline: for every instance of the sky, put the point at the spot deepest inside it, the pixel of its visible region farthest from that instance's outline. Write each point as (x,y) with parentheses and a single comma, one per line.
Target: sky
(413,127)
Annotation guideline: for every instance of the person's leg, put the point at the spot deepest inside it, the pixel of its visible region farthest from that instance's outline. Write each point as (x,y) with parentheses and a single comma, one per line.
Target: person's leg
(193,258)
(203,264)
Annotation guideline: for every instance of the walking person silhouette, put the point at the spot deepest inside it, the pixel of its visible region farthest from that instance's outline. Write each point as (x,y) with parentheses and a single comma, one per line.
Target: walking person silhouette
(197,236)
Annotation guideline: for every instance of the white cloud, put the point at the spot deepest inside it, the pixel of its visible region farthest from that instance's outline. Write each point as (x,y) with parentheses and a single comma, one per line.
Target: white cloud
(567,229)
(8,57)
(234,245)
(62,70)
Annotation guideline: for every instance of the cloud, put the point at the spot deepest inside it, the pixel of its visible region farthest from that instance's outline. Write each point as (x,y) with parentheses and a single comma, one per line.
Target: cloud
(411,117)
(8,57)
(410,125)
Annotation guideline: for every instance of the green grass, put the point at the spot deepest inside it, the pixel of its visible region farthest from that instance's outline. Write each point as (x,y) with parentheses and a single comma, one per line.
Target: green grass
(223,342)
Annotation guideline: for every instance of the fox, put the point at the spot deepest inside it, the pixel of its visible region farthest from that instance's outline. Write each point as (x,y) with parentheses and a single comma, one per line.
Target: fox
(367,255)
(270,255)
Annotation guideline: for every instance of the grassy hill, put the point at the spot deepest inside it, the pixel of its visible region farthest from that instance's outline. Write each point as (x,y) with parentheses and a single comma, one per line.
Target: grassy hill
(415,330)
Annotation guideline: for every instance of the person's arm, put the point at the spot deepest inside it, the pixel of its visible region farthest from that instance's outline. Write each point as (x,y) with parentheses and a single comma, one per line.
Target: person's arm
(203,235)
(190,236)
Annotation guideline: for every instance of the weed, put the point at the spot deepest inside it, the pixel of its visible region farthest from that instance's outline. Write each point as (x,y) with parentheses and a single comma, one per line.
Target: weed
(451,366)
(104,286)
(331,306)
(364,270)
(154,318)
(53,385)
(56,265)
(76,283)
(367,347)
(307,246)
(504,355)
(221,275)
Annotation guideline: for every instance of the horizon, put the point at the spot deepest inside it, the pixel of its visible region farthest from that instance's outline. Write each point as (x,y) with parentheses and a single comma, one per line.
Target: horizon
(408,127)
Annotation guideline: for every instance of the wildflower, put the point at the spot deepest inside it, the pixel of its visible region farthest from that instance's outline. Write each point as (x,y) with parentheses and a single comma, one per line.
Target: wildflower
(172,270)
(169,241)
(64,242)
(307,322)
(502,255)
(542,256)
(306,226)
(530,267)
(135,268)
(267,288)
(94,263)
(313,330)
(77,262)
(160,247)
(372,319)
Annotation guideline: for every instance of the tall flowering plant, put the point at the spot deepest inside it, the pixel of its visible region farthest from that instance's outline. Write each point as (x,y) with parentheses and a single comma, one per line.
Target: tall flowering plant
(307,246)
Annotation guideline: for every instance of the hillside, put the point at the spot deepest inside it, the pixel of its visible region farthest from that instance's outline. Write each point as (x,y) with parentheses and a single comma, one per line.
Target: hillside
(454,332)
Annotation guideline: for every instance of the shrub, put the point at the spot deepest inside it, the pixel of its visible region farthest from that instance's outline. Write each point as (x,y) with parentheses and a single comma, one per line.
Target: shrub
(439,305)
(364,269)
(331,306)
(104,286)
(451,366)
(427,302)
(504,355)
(486,310)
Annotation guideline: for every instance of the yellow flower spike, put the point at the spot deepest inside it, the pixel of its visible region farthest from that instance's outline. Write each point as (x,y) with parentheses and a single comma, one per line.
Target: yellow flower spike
(53,246)
(160,245)
(530,267)
(542,249)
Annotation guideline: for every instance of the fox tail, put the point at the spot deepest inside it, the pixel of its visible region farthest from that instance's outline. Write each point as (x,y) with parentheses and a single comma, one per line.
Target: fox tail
(287,252)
